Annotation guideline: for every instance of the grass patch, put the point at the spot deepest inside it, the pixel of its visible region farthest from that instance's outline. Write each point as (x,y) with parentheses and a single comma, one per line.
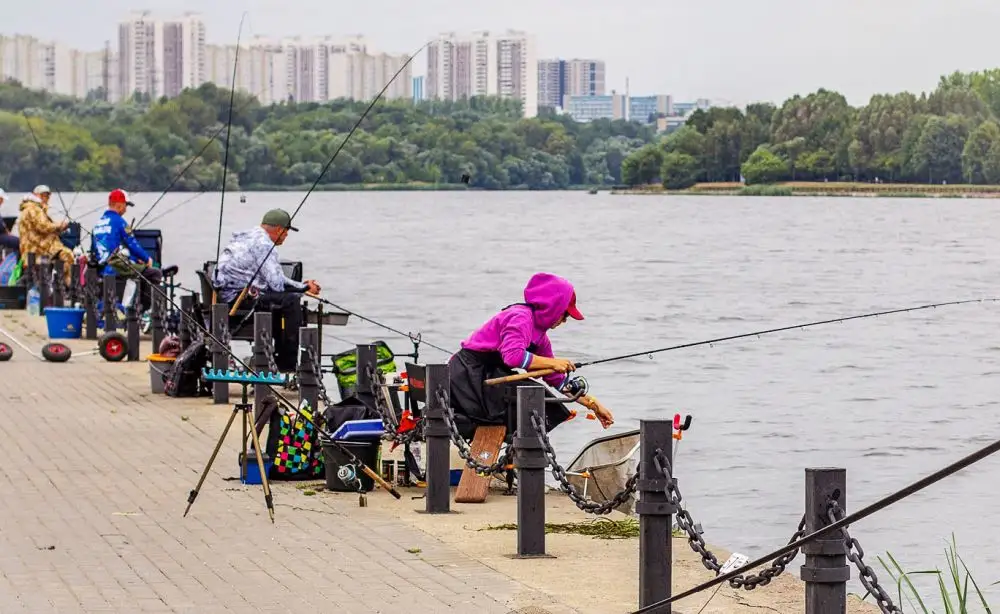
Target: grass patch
(599,528)
(952,585)
(766,190)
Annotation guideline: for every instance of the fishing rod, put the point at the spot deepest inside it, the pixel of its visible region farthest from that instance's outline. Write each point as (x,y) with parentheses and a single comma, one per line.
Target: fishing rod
(243,293)
(229,129)
(541,372)
(38,144)
(413,338)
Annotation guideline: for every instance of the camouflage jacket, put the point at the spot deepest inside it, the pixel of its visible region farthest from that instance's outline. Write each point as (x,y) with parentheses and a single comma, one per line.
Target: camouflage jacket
(240,259)
(39,234)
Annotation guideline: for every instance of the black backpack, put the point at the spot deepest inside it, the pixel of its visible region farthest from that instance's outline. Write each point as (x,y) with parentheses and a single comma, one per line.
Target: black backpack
(183,379)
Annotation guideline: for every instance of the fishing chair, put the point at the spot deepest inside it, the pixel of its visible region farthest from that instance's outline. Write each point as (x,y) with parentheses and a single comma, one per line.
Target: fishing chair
(241,322)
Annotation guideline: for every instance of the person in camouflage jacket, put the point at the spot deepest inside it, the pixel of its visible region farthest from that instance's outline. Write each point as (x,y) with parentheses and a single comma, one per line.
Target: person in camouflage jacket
(39,234)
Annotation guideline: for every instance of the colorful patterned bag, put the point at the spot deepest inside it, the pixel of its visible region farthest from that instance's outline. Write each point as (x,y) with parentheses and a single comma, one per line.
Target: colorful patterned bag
(299,455)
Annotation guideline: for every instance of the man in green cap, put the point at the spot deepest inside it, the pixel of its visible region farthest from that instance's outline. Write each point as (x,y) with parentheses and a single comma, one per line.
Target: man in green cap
(272,290)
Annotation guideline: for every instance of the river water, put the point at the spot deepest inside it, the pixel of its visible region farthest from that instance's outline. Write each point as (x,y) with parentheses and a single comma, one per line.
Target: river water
(891,399)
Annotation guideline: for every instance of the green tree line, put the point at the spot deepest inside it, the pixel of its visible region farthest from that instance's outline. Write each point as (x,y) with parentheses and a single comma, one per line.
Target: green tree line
(951,135)
(142,145)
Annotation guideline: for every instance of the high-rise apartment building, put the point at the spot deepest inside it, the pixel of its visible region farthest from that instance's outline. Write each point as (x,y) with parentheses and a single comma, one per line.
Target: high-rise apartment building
(45,65)
(160,57)
(484,64)
(577,77)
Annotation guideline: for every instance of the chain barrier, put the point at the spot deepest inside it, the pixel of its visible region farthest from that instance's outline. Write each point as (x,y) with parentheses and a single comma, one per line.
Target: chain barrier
(856,554)
(318,374)
(697,542)
(582,502)
(443,397)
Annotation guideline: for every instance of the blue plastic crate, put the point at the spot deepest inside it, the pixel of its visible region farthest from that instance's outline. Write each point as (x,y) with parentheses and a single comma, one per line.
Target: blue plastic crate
(359,429)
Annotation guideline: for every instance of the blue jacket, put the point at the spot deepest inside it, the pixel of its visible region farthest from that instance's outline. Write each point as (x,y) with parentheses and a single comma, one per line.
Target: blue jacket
(109,235)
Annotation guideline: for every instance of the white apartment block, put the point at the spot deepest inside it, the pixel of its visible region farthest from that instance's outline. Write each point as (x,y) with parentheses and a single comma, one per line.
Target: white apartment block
(328,69)
(577,77)
(160,57)
(48,66)
(484,64)
(260,69)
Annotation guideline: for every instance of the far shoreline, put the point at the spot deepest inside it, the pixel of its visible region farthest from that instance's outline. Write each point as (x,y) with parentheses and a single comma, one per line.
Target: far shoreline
(820,189)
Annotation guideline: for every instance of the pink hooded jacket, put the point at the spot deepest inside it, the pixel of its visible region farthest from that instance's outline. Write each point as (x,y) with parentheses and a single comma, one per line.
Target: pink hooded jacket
(518,327)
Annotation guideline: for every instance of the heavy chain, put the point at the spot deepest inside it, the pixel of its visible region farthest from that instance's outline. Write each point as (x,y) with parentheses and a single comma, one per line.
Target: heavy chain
(582,502)
(464,451)
(697,542)
(377,381)
(318,374)
(856,554)
(265,339)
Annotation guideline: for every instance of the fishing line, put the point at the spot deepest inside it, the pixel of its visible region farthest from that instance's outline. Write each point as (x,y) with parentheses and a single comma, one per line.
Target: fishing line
(40,150)
(530,374)
(229,131)
(410,336)
(371,106)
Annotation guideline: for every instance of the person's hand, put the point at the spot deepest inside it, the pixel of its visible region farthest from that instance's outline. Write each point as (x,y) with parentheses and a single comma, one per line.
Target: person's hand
(603,413)
(312,286)
(63,225)
(149,263)
(562,365)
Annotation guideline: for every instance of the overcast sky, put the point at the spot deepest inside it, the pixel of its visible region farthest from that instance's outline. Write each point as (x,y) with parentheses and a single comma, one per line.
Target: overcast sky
(729,50)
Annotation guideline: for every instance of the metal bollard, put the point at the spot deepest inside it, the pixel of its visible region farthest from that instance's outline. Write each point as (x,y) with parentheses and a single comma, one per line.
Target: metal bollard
(132,333)
(90,303)
(158,314)
(825,571)
(187,312)
(58,285)
(438,437)
(655,515)
(530,462)
(44,284)
(110,299)
(261,330)
(367,357)
(308,383)
(220,359)
(29,272)
(73,291)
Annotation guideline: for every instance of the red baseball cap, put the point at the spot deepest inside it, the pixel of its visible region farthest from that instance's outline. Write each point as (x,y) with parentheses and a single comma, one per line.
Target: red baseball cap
(120,196)
(572,310)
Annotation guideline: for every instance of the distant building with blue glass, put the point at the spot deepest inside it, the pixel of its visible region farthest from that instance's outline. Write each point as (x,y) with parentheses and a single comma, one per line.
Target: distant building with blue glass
(560,78)
(418,88)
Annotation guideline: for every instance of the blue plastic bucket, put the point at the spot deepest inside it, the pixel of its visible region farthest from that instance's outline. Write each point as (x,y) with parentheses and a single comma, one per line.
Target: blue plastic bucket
(64,322)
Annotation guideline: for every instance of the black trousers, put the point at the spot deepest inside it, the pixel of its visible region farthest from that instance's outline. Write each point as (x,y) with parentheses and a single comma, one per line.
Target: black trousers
(286,319)
(153,276)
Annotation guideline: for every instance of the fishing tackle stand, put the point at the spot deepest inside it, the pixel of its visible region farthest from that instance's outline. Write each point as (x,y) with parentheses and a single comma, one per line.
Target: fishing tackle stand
(245,407)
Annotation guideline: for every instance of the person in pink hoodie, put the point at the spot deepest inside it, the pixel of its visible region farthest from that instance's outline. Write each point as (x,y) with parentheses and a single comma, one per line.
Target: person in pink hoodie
(517,337)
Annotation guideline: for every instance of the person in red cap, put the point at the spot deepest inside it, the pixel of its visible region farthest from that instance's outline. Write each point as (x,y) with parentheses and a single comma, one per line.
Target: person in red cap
(110,235)
(517,337)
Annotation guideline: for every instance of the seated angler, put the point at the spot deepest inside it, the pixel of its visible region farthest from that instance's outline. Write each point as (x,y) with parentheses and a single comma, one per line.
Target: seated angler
(272,290)
(517,337)
(107,241)
(39,234)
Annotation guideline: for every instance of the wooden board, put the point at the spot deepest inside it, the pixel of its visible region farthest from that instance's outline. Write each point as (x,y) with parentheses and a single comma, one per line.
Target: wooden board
(472,488)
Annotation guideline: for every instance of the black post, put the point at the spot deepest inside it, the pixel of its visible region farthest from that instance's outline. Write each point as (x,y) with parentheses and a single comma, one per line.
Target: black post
(44,284)
(261,330)
(90,303)
(132,332)
(438,441)
(158,318)
(29,274)
(110,298)
(58,285)
(825,571)
(367,357)
(220,360)
(73,291)
(308,383)
(655,515)
(530,461)
(187,311)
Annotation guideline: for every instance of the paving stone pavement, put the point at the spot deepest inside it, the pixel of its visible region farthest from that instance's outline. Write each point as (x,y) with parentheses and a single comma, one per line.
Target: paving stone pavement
(95,473)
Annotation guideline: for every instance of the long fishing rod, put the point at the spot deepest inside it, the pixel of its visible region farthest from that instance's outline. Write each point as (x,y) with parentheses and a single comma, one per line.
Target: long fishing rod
(38,144)
(243,293)
(848,519)
(539,373)
(229,131)
(410,336)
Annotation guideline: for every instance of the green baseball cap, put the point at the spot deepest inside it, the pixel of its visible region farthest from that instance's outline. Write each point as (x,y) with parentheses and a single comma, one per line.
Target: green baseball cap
(280,218)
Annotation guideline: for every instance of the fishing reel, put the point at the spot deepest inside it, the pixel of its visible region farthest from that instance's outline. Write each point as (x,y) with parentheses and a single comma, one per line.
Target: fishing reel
(349,476)
(576,386)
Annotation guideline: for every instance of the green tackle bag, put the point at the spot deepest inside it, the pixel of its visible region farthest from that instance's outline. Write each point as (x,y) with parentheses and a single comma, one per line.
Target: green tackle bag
(345,366)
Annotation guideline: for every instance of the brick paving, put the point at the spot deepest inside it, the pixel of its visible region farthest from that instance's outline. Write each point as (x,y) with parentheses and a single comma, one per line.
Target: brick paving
(95,472)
